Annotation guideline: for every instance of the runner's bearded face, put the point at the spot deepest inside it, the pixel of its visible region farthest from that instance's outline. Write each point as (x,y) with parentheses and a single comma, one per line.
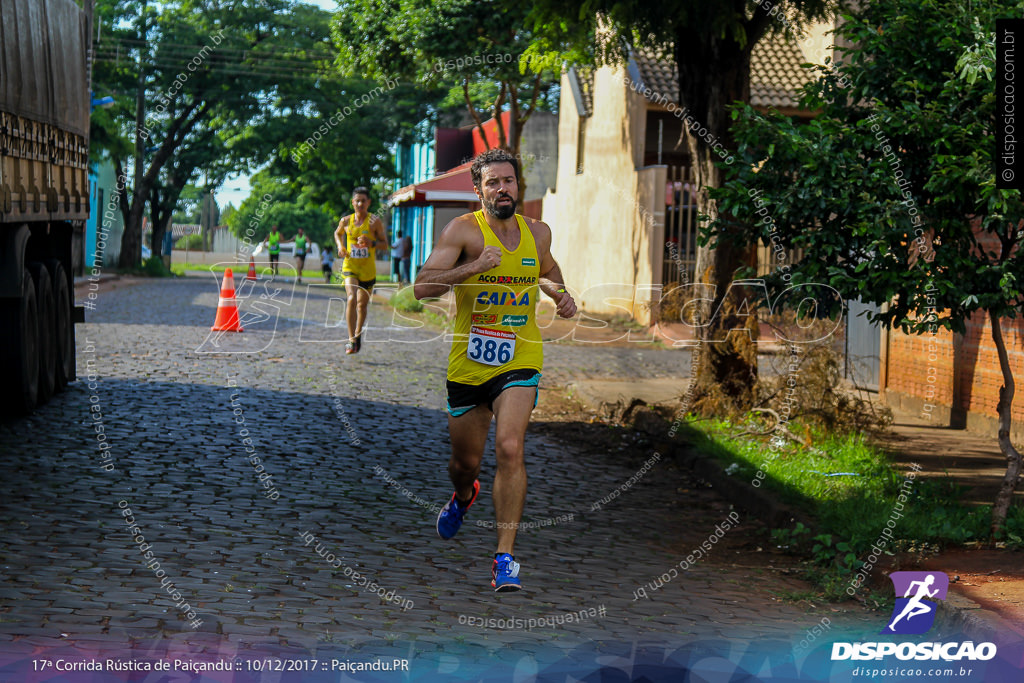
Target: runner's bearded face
(499,190)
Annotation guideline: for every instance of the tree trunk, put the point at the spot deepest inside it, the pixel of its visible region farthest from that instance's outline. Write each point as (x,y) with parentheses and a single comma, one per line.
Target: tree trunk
(727,368)
(1013,457)
(181,126)
(131,238)
(161,209)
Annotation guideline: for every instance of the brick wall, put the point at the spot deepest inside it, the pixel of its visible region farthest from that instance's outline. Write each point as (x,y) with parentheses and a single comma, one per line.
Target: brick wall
(922,366)
(914,359)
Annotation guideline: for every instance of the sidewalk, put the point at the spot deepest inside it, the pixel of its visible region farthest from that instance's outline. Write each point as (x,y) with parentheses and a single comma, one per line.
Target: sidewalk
(986,585)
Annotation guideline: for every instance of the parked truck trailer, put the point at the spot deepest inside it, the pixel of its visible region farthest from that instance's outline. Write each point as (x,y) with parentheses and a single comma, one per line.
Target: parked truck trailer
(44,192)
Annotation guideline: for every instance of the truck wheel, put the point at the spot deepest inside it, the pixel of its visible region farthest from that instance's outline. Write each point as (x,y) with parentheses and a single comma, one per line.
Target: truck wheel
(20,362)
(46,306)
(65,329)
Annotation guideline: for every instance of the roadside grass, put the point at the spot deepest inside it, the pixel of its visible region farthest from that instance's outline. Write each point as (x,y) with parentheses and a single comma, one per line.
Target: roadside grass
(313,274)
(151,267)
(852,491)
(404,301)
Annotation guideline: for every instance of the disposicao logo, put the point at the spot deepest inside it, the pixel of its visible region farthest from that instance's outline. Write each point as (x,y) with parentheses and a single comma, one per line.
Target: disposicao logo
(917,596)
(914,613)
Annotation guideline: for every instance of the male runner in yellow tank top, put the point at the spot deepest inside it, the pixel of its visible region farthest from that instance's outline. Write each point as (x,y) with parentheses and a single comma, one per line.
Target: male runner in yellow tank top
(497,260)
(358,237)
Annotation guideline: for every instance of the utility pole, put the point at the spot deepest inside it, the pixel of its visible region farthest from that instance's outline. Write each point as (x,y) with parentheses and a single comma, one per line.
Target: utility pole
(140,117)
(206,212)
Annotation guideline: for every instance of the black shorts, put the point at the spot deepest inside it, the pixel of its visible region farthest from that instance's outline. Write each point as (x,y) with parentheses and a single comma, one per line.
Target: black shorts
(462,398)
(300,254)
(363,284)
(275,257)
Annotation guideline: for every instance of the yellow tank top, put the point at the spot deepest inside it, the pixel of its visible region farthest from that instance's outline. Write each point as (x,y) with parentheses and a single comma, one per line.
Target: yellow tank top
(360,262)
(495,321)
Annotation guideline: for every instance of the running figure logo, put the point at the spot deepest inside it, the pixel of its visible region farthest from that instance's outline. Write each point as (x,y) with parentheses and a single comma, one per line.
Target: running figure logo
(914,613)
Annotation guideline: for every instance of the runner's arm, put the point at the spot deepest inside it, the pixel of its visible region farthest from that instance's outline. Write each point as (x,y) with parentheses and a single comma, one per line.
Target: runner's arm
(339,239)
(551,281)
(439,272)
(380,236)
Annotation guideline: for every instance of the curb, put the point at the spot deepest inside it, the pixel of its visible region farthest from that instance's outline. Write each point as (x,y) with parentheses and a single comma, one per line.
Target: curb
(957,614)
(82,280)
(961,615)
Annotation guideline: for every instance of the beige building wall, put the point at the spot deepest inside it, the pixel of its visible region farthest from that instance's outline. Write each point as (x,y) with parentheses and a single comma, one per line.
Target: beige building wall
(817,42)
(606,221)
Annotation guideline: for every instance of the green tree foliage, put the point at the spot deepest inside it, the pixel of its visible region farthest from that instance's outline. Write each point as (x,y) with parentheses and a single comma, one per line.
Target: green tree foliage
(204,70)
(229,87)
(890,192)
(274,203)
(189,206)
(468,51)
(710,43)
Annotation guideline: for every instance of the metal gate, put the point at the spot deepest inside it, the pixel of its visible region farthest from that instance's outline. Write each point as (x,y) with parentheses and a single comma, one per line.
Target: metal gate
(863,347)
(680,226)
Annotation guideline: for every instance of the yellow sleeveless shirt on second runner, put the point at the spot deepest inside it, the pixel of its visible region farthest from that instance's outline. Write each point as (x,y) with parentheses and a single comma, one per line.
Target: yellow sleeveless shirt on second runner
(360,262)
(496,322)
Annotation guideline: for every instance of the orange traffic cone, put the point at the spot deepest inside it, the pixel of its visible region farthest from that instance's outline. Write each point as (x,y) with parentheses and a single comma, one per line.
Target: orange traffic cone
(251,275)
(227,308)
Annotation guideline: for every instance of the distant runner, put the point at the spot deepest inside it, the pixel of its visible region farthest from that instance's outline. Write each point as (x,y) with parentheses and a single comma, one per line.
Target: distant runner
(273,243)
(300,253)
(358,236)
(327,262)
(498,259)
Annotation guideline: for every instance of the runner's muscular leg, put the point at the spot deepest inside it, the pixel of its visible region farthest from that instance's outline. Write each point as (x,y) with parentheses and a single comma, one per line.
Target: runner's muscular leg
(468,434)
(512,411)
(362,301)
(351,290)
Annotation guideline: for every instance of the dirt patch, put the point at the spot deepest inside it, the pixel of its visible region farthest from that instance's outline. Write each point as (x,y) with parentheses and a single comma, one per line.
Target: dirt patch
(992,578)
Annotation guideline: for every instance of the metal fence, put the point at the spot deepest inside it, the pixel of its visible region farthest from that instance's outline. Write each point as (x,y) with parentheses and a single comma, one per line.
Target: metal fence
(680,226)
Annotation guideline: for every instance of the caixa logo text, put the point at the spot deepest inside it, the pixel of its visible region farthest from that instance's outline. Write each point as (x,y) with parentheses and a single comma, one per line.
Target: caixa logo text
(948,652)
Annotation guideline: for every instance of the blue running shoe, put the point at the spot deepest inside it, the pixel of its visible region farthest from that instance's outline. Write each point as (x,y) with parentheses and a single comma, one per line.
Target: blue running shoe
(505,573)
(450,518)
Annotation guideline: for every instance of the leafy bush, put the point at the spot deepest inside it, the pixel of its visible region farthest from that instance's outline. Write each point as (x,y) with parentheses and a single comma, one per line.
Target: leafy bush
(403,300)
(191,242)
(154,267)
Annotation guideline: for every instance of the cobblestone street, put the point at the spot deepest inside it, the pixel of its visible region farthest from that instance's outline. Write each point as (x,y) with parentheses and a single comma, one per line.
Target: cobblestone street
(325,545)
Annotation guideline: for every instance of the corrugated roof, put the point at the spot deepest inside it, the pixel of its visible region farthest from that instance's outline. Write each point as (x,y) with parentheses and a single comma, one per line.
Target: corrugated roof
(775,74)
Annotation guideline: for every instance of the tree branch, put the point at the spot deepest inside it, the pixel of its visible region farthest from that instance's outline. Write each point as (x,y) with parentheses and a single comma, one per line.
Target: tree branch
(496,112)
(1004,408)
(533,100)
(472,112)
(757,25)
(517,130)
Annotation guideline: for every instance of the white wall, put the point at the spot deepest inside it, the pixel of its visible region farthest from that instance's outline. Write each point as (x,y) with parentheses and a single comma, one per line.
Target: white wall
(603,220)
